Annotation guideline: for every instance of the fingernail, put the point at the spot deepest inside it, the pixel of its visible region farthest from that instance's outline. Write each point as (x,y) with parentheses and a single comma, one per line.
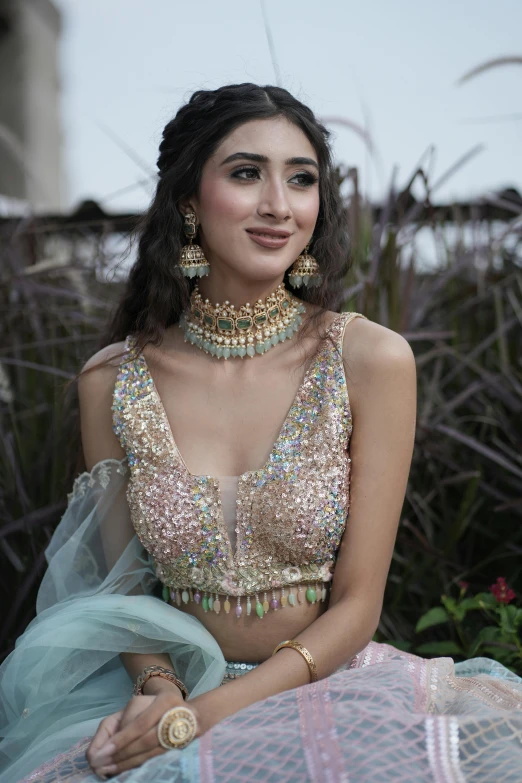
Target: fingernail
(101,761)
(108,770)
(101,758)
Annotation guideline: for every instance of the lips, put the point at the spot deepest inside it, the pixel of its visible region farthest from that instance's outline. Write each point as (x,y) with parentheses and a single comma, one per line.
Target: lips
(270,232)
(269,237)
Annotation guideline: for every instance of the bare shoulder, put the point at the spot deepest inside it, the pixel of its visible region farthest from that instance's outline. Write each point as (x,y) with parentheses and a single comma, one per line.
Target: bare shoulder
(371,344)
(111,355)
(95,393)
(377,357)
(102,366)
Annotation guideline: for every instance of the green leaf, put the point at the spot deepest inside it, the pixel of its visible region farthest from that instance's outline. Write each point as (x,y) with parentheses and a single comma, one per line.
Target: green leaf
(488,599)
(439,648)
(434,616)
(507,618)
(470,603)
(491,633)
(450,603)
(459,613)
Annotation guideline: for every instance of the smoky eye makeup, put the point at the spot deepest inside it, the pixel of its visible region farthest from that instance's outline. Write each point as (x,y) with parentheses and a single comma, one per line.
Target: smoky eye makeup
(245,172)
(304,179)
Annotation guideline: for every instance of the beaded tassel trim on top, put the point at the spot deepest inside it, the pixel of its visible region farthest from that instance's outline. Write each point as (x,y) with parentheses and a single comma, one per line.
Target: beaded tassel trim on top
(211,602)
(224,332)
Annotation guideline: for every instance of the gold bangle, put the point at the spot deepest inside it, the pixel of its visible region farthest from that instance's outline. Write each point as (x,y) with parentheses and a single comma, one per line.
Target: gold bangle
(177,727)
(158,671)
(304,652)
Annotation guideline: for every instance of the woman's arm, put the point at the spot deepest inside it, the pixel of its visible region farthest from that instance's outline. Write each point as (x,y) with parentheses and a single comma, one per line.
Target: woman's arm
(381,378)
(95,391)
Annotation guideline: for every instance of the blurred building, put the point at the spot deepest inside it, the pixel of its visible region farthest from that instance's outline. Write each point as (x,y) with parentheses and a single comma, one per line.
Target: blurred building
(30,126)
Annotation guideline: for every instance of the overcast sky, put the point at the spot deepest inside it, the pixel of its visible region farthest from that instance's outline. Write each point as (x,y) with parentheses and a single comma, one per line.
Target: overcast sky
(127,66)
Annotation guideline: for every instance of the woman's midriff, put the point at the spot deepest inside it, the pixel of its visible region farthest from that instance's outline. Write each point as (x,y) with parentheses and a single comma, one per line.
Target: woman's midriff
(250,638)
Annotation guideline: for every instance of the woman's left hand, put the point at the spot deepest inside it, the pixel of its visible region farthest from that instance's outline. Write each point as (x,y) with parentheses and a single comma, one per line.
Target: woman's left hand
(105,731)
(135,739)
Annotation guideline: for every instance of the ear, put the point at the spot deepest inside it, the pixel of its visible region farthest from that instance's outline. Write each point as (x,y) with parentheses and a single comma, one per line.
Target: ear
(187,205)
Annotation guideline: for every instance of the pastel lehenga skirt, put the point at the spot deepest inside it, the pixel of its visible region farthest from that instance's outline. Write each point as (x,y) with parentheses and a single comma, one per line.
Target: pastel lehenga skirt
(385,716)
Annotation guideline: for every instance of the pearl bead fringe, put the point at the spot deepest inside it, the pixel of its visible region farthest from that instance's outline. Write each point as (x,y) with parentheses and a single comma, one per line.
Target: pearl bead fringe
(281,311)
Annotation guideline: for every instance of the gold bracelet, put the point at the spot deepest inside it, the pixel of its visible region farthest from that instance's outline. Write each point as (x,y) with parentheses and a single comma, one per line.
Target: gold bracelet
(304,652)
(158,671)
(177,727)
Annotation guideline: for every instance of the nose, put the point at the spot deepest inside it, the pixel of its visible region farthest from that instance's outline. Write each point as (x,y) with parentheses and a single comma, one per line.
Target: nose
(274,201)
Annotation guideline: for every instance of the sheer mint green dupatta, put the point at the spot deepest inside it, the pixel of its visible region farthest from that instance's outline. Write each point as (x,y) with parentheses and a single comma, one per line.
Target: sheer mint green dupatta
(95,601)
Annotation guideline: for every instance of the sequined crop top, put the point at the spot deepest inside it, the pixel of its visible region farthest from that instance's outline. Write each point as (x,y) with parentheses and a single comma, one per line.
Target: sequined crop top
(290,514)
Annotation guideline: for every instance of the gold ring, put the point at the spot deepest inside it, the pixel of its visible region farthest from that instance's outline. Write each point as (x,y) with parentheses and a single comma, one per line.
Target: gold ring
(177,727)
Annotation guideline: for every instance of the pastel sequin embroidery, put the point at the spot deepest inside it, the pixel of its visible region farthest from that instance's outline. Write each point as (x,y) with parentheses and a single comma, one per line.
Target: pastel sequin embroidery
(291,513)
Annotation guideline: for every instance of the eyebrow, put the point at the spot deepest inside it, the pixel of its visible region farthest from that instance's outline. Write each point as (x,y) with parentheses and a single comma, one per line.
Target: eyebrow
(299,161)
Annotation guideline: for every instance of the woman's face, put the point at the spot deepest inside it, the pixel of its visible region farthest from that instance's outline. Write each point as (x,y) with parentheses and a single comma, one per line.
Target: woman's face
(258,200)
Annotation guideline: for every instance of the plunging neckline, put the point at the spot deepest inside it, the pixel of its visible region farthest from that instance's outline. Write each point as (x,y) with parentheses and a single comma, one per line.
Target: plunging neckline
(295,402)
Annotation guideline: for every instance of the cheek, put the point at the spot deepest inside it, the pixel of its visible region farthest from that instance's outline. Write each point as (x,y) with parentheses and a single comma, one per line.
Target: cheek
(307,210)
(220,202)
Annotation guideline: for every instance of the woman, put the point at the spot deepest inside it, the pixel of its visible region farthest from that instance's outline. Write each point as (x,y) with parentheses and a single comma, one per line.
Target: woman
(242,440)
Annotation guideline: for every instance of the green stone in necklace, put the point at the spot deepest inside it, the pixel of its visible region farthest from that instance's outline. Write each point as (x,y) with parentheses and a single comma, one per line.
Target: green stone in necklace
(223,331)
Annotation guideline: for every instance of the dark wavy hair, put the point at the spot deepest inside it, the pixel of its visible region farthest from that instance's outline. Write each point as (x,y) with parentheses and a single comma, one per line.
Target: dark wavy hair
(156,292)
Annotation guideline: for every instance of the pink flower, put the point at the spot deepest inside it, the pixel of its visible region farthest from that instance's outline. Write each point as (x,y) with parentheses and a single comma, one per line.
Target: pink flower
(462,584)
(502,592)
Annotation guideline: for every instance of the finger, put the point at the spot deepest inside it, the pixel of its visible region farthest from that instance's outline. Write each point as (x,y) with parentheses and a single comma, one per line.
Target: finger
(130,763)
(106,729)
(127,715)
(127,712)
(143,744)
(143,722)
(134,707)
(148,742)
(104,732)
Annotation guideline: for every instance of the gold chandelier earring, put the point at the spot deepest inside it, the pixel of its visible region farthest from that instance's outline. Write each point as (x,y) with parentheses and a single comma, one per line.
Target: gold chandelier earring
(192,261)
(305,271)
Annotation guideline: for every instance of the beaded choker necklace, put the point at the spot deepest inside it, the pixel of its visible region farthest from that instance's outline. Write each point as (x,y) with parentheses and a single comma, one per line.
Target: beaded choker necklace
(223,331)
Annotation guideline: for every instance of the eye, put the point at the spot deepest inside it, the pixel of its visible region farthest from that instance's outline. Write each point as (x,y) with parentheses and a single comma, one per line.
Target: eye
(246,172)
(304,179)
